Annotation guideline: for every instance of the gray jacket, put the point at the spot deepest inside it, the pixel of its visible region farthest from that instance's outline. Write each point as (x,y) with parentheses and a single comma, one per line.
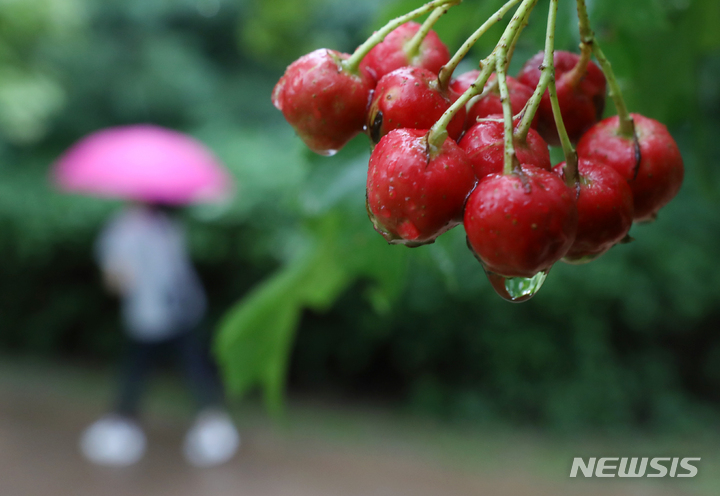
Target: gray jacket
(146,248)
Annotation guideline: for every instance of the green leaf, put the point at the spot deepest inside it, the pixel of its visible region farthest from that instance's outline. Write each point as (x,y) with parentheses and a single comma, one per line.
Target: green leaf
(254,339)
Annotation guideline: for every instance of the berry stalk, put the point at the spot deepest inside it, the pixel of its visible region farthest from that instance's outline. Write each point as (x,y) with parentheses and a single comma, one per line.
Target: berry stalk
(438,132)
(412,49)
(580,68)
(501,63)
(571,157)
(587,39)
(510,161)
(351,65)
(511,50)
(447,71)
(547,72)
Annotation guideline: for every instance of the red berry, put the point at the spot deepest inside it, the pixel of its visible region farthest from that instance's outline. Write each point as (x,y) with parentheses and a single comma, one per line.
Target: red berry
(522,223)
(463,82)
(582,99)
(605,210)
(491,104)
(653,167)
(410,97)
(323,102)
(390,54)
(485,147)
(415,193)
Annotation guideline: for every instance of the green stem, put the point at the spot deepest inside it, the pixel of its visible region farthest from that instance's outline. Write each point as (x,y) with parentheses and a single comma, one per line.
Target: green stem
(512,28)
(547,72)
(571,158)
(574,76)
(351,65)
(587,37)
(447,70)
(501,69)
(627,125)
(511,49)
(489,89)
(412,48)
(438,132)
(586,32)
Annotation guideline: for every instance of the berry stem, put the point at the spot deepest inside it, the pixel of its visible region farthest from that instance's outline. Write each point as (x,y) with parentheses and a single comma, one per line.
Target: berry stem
(547,72)
(412,48)
(447,70)
(627,125)
(586,33)
(353,63)
(576,74)
(497,60)
(511,49)
(571,158)
(438,132)
(501,63)
(587,38)
(514,25)
(501,69)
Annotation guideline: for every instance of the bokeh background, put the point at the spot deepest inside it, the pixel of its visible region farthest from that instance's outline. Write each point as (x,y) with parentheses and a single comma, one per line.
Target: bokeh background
(301,286)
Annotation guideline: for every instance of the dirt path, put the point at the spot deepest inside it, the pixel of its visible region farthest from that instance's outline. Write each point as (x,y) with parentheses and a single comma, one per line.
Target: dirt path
(323,453)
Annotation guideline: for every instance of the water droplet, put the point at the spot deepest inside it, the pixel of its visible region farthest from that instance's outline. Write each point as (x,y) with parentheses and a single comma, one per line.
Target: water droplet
(516,289)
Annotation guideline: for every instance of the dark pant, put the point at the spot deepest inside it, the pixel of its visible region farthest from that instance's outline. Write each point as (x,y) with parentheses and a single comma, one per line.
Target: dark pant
(141,356)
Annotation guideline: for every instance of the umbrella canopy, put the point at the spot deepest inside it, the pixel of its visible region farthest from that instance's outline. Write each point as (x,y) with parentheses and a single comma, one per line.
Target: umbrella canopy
(143,163)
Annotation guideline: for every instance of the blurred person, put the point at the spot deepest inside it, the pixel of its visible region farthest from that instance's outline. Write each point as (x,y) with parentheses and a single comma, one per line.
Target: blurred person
(143,258)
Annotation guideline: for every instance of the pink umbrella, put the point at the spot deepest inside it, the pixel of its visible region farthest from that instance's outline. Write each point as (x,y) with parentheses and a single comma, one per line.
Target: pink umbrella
(143,163)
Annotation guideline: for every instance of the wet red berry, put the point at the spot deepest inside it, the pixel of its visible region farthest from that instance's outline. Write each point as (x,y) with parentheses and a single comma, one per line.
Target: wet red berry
(390,54)
(581,97)
(520,224)
(490,104)
(605,210)
(653,167)
(410,97)
(485,147)
(463,82)
(415,193)
(325,104)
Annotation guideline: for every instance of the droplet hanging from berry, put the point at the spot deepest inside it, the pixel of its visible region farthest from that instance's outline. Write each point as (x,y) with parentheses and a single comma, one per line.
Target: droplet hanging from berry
(516,289)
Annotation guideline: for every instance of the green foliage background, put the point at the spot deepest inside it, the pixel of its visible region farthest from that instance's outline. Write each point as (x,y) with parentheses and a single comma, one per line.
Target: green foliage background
(630,339)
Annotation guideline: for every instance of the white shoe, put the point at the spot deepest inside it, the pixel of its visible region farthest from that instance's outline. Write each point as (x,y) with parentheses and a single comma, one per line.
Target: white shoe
(212,440)
(113,441)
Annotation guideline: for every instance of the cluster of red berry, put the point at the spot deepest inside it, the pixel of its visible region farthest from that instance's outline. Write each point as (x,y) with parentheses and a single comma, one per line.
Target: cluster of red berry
(474,148)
